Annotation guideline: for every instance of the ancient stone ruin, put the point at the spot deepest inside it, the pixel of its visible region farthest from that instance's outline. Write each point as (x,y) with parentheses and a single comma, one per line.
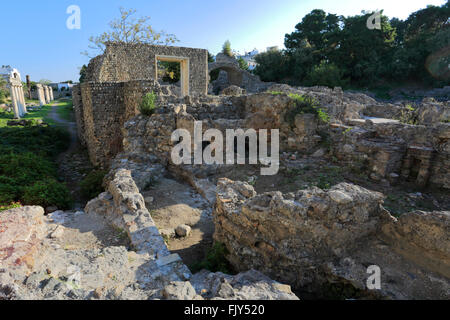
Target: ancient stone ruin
(317,227)
(14,83)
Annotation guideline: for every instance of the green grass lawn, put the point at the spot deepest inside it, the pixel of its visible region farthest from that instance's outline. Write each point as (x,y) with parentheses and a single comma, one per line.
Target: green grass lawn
(65,109)
(41,114)
(32,101)
(28,168)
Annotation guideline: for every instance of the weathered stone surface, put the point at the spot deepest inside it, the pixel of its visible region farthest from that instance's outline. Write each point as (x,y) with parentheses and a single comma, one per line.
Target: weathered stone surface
(250,285)
(179,291)
(233,91)
(295,237)
(21,234)
(423,237)
(235,76)
(183,231)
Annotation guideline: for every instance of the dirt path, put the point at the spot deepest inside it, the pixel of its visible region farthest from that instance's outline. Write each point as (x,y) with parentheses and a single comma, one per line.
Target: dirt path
(69,125)
(175,203)
(73,164)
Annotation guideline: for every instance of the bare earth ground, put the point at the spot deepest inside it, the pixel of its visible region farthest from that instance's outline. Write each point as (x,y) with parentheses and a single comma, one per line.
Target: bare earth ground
(176,203)
(73,164)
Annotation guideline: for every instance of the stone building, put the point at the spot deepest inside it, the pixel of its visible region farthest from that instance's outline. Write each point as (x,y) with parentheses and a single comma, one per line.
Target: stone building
(115,84)
(232,74)
(123,62)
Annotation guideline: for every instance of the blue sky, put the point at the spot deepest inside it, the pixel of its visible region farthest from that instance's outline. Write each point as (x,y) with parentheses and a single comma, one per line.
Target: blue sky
(36,41)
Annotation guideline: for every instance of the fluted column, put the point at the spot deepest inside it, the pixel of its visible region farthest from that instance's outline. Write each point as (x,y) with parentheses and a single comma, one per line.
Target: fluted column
(47,98)
(41,97)
(15,105)
(22,98)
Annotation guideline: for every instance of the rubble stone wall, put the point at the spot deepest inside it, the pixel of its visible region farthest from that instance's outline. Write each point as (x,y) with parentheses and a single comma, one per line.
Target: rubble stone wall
(101,109)
(313,237)
(394,150)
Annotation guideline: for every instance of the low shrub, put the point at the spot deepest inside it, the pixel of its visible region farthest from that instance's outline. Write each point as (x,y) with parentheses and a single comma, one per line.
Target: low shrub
(46,193)
(148,104)
(215,260)
(10,206)
(27,170)
(92,185)
(17,171)
(304,104)
(325,74)
(43,141)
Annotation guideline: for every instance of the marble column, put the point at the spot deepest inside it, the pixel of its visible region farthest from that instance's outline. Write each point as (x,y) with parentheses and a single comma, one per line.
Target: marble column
(15,105)
(41,96)
(47,97)
(22,100)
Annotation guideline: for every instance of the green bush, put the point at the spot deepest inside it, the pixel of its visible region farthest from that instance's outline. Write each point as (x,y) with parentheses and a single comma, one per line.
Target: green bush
(2,97)
(26,166)
(215,260)
(46,193)
(10,206)
(243,64)
(148,104)
(304,104)
(325,74)
(19,169)
(92,185)
(42,141)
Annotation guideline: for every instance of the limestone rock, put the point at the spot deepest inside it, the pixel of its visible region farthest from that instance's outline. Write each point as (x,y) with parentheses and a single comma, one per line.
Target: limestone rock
(183,230)
(179,291)
(233,91)
(21,233)
(250,285)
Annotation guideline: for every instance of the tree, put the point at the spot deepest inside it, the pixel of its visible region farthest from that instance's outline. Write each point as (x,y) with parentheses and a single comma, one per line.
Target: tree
(210,58)
(317,30)
(170,71)
(272,66)
(325,74)
(425,36)
(45,81)
(4,93)
(83,72)
(364,54)
(129,29)
(226,49)
(243,64)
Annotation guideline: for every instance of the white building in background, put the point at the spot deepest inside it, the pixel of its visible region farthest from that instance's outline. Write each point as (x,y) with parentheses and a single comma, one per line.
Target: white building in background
(61,86)
(66,86)
(249,57)
(273,48)
(7,72)
(14,83)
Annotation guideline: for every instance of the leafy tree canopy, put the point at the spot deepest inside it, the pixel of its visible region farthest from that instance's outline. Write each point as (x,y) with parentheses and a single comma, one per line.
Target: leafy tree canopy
(129,29)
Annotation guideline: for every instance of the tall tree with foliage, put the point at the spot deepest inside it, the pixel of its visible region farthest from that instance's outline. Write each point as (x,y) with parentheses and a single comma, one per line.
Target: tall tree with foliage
(83,72)
(129,29)
(416,50)
(243,64)
(226,49)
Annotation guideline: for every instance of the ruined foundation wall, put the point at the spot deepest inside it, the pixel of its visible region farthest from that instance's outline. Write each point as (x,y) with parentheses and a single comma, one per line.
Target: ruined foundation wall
(79,113)
(101,113)
(396,151)
(313,237)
